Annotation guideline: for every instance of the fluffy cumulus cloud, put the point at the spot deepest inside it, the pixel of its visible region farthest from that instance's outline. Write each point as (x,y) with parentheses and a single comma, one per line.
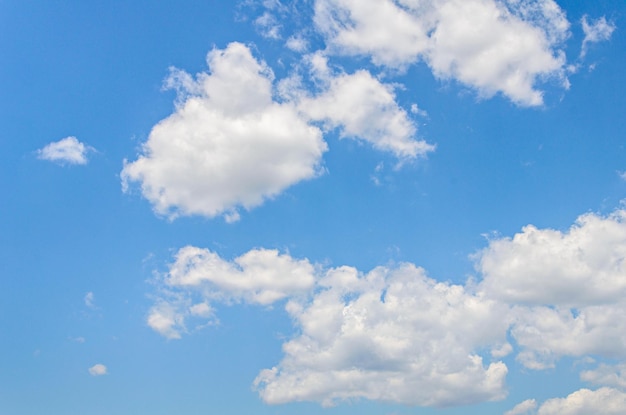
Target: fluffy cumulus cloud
(98,370)
(524,408)
(606,375)
(66,151)
(228,144)
(583,266)
(605,401)
(391,335)
(493,46)
(566,289)
(394,334)
(199,277)
(362,108)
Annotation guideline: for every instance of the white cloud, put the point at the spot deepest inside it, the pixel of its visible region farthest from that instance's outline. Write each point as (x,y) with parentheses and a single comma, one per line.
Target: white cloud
(493,46)
(380,336)
(260,276)
(68,150)
(89,300)
(391,335)
(268,26)
(98,370)
(605,401)
(547,333)
(396,335)
(199,277)
(567,289)
(297,43)
(168,318)
(606,375)
(595,31)
(524,408)
(227,145)
(583,266)
(361,107)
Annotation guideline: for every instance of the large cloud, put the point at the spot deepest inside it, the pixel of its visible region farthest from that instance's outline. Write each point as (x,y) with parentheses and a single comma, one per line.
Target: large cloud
(394,334)
(567,289)
(391,335)
(228,144)
(490,45)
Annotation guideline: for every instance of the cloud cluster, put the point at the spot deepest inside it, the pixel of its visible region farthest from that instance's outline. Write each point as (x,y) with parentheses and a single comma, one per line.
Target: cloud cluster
(489,45)
(230,144)
(67,150)
(383,335)
(394,334)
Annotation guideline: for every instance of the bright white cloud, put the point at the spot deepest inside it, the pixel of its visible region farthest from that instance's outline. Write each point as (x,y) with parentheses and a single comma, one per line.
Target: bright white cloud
(359,105)
(199,277)
(363,108)
(595,31)
(606,375)
(98,370)
(228,144)
(583,266)
(396,335)
(68,150)
(492,46)
(567,289)
(380,336)
(391,335)
(547,333)
(524,408)
(605,401)
(260,276)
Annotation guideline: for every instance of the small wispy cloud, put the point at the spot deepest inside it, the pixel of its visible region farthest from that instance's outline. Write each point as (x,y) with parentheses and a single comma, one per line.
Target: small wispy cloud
(595,31)
(90,300)
(65,151)
(98,370)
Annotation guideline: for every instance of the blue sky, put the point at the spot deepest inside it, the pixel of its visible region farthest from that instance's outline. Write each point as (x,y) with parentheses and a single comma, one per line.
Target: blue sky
(313,206)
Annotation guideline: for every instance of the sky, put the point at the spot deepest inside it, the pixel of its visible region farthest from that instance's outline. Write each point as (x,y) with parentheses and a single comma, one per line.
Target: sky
(384,207)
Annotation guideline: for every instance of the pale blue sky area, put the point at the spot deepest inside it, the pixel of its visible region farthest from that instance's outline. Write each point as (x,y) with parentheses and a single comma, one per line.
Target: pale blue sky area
(312,206)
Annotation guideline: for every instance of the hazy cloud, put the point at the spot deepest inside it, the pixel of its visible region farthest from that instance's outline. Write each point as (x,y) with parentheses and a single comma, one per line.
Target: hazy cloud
(595,31)
(98,370)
